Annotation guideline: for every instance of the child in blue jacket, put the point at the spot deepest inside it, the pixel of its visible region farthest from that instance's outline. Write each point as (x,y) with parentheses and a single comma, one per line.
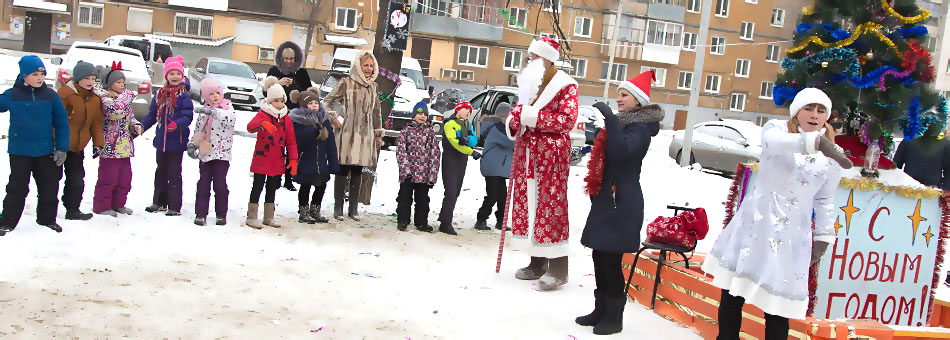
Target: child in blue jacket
(316,148)
(39,139)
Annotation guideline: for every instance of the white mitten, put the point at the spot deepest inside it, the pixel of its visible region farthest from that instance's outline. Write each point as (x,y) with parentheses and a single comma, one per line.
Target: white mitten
(529,116)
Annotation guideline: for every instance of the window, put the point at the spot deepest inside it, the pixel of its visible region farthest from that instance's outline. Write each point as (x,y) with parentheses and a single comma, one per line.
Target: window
(518,17)
(772,53)
(685,81)
(582,27)
(140,20)
(692,6)
(257,33)
(778,17)
(432,7)
(748,29)
(742,68)
(193,25)
(660,75)
(346,18)
(90,14)
(626,30)
(617,73)
(751,1)
(718,46)
(712,83)
(664,33)
(552,5)
(513,60)
(737,102)
(473,56)
(580,68)
(931,44)
(689,41)
(765,92)
(722,8)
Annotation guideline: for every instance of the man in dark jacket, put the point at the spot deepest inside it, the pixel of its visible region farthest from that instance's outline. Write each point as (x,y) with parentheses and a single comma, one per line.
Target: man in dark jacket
(291,76)
(926,159)
(39,140)
(495,166)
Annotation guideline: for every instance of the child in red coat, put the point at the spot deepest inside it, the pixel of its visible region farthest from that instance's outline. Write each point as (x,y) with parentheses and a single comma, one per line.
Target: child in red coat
(275,132)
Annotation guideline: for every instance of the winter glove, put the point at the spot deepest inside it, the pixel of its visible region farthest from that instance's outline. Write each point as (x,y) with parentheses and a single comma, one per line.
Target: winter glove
(171,126)
(96,151)
(192,150)
(827,148)
(604,109)
(585,150)
(136,130)
(293,167)
(269,127)
(59,157)
(818,250)
(472,141)
(476,155)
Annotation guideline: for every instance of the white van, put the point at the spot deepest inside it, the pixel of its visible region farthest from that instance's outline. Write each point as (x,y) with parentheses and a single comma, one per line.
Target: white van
(412,91)
(154,51)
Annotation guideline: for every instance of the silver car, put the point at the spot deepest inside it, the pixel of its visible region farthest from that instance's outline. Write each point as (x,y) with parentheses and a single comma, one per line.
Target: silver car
(237,80)
(137,76)
(720,145)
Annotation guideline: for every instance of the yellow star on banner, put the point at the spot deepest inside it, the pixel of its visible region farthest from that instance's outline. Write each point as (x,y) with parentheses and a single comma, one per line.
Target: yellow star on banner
(928,235)
(837,224)
(848,211)
(915,220)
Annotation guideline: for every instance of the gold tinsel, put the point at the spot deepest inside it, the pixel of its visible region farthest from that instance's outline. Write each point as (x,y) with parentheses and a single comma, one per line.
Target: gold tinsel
(865,28)
(924,14)
(871,184)
(810,9)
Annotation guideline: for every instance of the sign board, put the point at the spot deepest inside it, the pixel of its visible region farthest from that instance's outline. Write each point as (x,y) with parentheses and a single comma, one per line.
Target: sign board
(883,262)
(396,36)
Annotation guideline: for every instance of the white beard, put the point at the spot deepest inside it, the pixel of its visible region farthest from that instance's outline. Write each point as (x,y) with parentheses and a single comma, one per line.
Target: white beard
(529,81)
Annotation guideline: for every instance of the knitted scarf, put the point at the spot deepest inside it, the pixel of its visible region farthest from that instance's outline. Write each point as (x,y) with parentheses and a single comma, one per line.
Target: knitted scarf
(166,99)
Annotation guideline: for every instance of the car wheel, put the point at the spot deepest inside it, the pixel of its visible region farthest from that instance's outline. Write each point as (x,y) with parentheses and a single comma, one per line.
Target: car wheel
(692,157)
(576,156)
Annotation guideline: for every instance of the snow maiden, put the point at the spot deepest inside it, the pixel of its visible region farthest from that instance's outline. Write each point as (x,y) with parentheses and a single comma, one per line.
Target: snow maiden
(759,256)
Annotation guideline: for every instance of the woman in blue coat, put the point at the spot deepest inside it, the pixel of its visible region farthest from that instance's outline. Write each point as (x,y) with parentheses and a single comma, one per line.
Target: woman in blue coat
(317,157)
(613,183)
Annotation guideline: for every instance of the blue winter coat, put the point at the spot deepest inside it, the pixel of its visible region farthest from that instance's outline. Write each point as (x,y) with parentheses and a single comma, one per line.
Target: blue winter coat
(172,141)
(616,216)
(38,120)
(498,149)
(317,159)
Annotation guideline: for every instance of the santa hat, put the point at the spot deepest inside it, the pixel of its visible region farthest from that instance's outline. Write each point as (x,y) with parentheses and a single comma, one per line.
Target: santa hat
(810,96)
(176,63)
(639,86)
(463,104)
(546,48)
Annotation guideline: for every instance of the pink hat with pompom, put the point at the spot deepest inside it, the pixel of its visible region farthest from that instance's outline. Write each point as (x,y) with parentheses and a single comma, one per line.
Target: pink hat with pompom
(176,63)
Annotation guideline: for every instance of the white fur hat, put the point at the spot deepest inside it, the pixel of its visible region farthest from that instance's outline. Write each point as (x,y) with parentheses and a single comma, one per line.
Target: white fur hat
(809,95)
(546,48)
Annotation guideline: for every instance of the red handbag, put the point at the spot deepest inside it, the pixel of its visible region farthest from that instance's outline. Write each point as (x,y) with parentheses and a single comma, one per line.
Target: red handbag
(682,230)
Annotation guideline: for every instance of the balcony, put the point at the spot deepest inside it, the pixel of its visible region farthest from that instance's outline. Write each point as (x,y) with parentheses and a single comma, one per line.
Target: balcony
(669,10)
(461,20)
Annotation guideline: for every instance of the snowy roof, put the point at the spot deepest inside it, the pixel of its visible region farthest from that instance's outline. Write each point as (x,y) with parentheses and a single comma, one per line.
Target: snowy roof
(41,5)
(344,40)
(201,42)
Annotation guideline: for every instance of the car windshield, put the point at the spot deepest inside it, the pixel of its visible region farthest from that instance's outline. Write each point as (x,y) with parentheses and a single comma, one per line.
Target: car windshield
(229,69)
(416,77)
(104,56)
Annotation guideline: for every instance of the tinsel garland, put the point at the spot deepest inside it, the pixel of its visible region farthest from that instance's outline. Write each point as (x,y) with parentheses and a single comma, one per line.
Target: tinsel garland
(941,249)
(909,63)
(507,16)
(733,197)
(390,75)
(595,165)
(937,120)
(865,28)
(835,54)
(812,283)
(386,98)
(913,119)
(924,14)
(835,32)
(870,184)
(781,94)
(911,32)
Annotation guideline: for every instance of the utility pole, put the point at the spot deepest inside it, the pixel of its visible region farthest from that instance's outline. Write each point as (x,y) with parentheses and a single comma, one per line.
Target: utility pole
(697,80)
(613,49)
(314,10)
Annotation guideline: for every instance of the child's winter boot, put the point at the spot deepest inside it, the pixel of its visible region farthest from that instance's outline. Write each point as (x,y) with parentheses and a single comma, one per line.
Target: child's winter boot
(304,215)
(269,216)
(201,220)
(252,216)
(315,213)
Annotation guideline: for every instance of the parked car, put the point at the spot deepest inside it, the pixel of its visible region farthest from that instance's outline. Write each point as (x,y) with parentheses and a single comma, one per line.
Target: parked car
(330,80)
(446,100)
(720,145)
(237,80)
(593,121)
(154,52)
(133,66)
(486,101)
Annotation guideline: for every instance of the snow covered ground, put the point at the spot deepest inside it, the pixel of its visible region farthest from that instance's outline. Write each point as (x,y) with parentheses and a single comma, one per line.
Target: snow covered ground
(149,275)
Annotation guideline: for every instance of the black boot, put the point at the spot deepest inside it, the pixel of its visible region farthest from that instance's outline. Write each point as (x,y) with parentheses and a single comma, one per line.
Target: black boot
(594,317)
(424,228)
(154,208)
(355,197)
(447,228)
(339,185)
(612,319)
(481,225)
(288,183)
(315,213)
(4,229)
(402,226)
(498,226)
(304,215)
(54,226)
(76,215)
(201,220)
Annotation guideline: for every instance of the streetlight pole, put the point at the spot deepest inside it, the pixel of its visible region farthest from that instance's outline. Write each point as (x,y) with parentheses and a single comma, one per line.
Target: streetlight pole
(697,80)
(612,49)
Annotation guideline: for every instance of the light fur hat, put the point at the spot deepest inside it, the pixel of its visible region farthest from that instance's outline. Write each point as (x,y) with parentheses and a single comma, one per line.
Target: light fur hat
(273,89)
(809,95)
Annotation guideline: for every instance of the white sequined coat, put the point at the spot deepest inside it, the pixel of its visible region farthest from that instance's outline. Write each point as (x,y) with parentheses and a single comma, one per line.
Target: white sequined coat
(764,253)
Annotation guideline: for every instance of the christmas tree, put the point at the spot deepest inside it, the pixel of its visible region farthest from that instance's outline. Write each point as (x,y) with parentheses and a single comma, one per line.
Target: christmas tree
(866,55)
